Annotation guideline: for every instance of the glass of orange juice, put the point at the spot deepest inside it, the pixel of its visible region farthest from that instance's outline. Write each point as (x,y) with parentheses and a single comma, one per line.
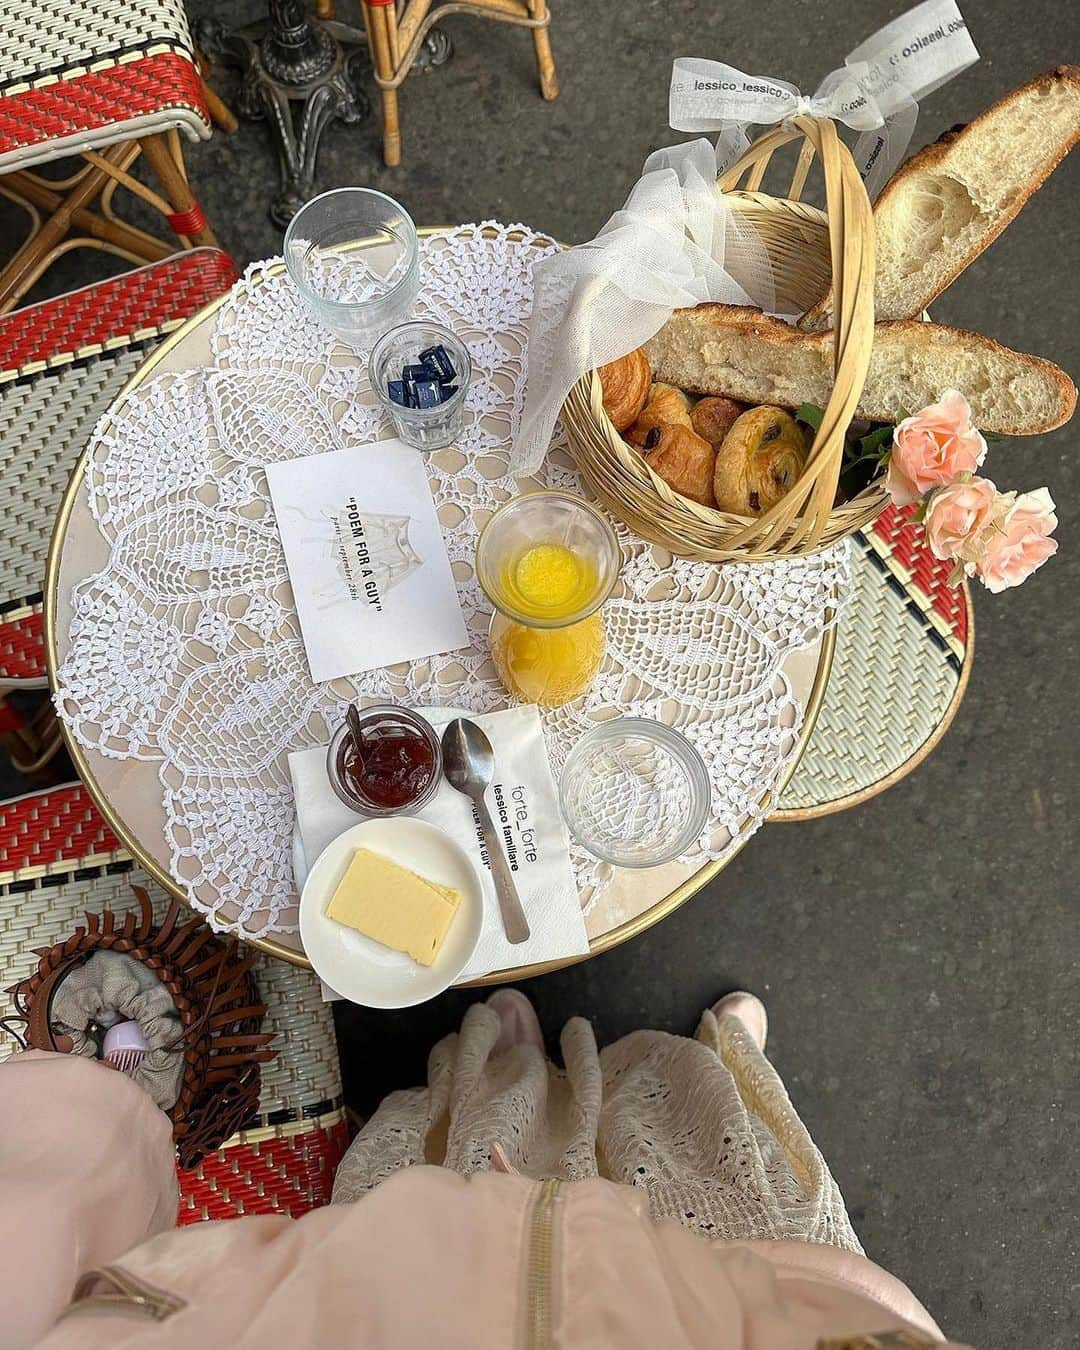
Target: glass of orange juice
(547,561)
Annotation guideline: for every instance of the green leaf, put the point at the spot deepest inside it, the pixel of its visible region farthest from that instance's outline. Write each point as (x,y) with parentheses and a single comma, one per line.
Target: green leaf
(991,436)
(877,442)
(871,448)
(851,459)
(811,414)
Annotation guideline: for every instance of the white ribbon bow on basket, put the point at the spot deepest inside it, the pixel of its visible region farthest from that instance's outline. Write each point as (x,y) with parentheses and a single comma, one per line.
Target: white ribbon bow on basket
(875,92)
(674,243)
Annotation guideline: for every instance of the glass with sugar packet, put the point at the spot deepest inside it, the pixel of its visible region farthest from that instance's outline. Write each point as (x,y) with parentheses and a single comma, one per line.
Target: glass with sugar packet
(420,373)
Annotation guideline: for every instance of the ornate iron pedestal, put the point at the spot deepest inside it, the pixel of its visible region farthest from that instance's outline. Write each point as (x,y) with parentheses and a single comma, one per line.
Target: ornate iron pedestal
(293,58)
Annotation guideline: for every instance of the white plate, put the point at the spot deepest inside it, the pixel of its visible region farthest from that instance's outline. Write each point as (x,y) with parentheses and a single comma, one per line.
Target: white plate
(362,970)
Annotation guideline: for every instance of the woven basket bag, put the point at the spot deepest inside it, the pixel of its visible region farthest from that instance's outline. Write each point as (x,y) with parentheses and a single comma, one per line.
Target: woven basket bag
(216,998)
(806,247)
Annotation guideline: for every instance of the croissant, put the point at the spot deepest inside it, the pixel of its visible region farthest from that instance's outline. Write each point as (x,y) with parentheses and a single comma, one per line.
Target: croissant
(713,418)
(683,460)
(760,460)
(665,406)
(625,383)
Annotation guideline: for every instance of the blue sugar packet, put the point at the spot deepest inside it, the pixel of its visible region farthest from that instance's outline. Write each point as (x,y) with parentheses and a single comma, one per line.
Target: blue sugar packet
(438,359)
(427,393)
(419,372)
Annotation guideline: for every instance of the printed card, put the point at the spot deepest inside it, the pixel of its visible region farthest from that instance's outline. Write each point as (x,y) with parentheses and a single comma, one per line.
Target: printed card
(366,558)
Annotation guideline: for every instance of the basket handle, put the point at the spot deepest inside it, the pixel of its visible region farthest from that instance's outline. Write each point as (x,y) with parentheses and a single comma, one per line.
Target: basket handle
(800,517)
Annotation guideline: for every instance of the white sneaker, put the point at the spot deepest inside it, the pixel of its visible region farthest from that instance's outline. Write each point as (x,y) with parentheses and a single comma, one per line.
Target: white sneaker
(520,1025)
(750,1011)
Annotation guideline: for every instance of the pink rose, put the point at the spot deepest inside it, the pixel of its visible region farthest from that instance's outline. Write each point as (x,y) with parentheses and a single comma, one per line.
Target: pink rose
(956,518)
(1018,544)
(933,448)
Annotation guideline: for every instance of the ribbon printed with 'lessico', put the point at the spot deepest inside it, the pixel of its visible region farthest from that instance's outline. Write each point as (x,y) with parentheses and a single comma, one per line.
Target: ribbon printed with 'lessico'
(875,92)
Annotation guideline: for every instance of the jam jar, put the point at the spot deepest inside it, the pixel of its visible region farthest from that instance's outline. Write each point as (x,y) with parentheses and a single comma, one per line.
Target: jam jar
(396,769)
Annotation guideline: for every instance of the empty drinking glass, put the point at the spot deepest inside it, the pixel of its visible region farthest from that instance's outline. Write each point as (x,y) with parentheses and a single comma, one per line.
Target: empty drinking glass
(635,793)
(353,256)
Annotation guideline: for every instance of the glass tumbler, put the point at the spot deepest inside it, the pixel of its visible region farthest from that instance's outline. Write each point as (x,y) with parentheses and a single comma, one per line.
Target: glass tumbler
(353,256)
(547,561)
(440,425)
(635,793)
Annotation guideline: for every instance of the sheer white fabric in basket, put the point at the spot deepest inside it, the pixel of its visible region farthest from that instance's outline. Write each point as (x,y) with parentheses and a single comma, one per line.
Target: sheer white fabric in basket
(185,648)
(676,242)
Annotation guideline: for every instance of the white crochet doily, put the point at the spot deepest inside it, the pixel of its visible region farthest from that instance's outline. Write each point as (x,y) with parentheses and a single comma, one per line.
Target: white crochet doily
(185,648)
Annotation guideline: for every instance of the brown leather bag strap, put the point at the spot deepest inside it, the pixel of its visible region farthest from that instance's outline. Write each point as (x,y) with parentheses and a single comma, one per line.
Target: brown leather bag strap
(39,1032)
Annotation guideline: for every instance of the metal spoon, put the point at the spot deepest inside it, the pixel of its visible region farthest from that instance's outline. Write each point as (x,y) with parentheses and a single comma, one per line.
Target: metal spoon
(469,765)
(353,719)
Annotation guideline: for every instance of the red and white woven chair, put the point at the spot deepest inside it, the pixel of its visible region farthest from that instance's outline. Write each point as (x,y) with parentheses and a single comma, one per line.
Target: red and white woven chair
(283,1162)
(61,364)
(103,81)
(903,657)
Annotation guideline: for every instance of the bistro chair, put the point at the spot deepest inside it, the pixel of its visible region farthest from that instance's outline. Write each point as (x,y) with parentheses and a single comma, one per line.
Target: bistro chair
(283,1160)
(103,83)
(903,657)
(61,364)
(396,30)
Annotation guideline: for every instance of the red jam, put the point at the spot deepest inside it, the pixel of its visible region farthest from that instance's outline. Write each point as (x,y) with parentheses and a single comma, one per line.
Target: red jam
(392,767)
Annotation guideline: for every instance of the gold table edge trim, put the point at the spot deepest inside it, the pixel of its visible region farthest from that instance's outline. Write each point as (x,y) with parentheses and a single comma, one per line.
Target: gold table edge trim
(615,937)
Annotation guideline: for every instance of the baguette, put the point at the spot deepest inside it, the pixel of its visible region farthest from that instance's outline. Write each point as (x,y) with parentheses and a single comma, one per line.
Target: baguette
(948,202)
(740,353)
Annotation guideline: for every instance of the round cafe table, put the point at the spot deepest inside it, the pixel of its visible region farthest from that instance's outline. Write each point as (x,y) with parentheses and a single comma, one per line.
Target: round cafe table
(128,791)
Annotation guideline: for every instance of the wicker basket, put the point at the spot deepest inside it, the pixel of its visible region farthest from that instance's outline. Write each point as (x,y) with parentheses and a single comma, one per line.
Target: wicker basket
(216,998)
(806,247)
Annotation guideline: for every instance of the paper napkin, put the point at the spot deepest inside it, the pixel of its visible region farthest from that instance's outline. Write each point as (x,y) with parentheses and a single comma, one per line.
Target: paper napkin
(524,806)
